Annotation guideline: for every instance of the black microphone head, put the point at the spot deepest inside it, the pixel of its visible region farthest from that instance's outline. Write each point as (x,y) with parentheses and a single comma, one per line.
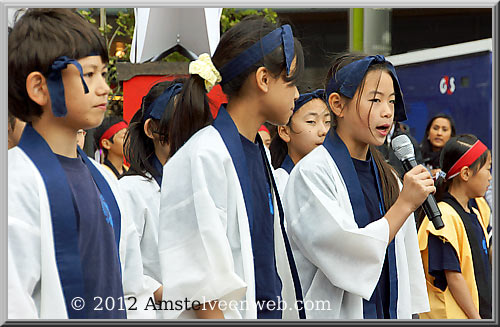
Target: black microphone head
(403,148)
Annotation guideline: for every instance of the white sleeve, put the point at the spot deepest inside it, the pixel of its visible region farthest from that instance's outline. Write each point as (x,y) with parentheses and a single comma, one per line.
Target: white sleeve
(23,269)
(328,236)
(136,206)
(24,250)
(418,287)
(281,178)
(195,254)
(146,233)
(138,288)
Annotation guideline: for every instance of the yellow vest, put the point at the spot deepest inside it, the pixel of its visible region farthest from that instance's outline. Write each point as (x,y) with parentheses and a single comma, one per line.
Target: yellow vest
(442,303)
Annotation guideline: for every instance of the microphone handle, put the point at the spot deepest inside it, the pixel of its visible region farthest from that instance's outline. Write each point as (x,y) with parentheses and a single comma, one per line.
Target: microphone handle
(432,211)
(430,206)
(408,164)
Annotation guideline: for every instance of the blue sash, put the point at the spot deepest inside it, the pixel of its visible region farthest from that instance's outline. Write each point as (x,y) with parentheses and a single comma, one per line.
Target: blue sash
(339,153)
(64,220)
(230,135)
(287,164)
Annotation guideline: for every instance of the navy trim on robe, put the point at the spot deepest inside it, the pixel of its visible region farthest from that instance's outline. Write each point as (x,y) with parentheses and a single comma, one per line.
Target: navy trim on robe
(338,151)
(340,154)
(159,168)
(391,253)
(230,135)
(287,164)
(291,260)
(268,285)
(64,220)
(224,124)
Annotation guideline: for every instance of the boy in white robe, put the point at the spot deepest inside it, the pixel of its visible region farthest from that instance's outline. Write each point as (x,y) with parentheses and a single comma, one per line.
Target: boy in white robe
(73,252)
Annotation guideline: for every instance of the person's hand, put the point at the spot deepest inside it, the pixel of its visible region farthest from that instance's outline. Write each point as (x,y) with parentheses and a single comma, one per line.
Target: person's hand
(158,294)
(417,185)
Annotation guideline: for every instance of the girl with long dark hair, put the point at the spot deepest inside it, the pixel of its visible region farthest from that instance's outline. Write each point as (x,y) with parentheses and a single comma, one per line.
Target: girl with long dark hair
(352,229)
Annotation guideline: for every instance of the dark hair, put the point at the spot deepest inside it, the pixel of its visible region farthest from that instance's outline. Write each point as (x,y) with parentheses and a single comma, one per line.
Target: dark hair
(278,149)
(12,121)
(99,131)
(426,145)
(451,152)
(192,112)
(138,147)
(39,37)
(390,187)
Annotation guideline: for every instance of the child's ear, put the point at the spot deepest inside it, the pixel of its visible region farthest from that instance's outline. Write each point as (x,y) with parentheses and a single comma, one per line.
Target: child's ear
(148,128)
(262,78)
(336,104)
(106,144)
(36,86)
(284,133)
(465,173)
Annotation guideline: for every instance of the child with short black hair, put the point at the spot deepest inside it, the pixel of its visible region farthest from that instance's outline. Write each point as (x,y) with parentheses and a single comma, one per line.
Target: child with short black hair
(109,138)
(72,250)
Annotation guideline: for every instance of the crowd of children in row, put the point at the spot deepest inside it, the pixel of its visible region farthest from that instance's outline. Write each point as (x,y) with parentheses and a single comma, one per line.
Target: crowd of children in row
(207,215)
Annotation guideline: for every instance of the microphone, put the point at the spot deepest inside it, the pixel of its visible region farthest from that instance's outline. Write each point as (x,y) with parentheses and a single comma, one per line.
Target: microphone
(403,149)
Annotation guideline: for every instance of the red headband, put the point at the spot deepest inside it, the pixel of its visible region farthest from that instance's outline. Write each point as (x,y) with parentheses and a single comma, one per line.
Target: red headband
(263,128)
(467,159)
(112,131)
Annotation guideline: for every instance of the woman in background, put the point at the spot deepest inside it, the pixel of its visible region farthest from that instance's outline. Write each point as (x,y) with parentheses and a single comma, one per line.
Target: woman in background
(438,131)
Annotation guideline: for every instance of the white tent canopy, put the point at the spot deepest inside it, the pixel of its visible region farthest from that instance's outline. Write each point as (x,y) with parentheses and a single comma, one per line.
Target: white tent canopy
(159,29)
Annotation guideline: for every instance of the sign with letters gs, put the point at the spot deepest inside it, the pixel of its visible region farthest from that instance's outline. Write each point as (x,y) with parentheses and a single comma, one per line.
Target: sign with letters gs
(447,85)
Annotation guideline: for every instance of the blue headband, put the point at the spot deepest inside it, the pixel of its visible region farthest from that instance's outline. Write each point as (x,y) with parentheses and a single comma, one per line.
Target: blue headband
(156,109)
(347,79)
(255,53)
(306,97)
(56,86)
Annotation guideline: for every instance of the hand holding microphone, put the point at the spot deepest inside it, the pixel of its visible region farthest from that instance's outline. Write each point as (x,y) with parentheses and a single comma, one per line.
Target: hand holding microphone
(415,173)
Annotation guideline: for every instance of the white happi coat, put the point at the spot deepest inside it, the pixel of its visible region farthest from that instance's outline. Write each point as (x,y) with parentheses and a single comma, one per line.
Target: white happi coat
(143,199)
(339,262)
(34,287)
(204,238)
(281,176)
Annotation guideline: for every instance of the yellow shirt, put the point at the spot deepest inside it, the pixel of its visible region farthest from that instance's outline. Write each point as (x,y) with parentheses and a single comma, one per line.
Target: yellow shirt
(442,303)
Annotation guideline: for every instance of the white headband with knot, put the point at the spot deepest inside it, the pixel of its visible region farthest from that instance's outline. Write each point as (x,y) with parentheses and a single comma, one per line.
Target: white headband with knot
(204,67)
